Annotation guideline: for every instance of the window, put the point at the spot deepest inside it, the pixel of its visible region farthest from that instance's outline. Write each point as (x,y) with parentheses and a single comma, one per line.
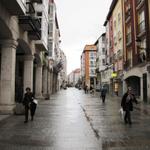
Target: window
(39,14)
(119,35)
(50,47)
(92,72)
(119,18)
(103,51)
(115,40)
(92,63)
(141,21)
(51,10)
(92,55)
(103,61)
(128,35)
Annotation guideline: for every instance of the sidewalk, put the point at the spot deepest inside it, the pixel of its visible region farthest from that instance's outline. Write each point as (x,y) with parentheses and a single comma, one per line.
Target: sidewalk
(141,106)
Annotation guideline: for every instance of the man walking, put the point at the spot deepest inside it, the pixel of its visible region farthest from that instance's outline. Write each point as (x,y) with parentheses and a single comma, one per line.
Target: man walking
(127,105)
(103,93)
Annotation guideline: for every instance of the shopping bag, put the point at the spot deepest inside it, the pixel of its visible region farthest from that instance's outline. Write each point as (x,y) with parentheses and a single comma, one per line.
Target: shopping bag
(35,101)
(121,113)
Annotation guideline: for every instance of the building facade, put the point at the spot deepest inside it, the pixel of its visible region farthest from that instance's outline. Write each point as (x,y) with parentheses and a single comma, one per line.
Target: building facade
(101,59)
(63,72)
(127,44)
(136,47)
(74,77)
(54,54)
(88,65)
(23,51)
(114,45)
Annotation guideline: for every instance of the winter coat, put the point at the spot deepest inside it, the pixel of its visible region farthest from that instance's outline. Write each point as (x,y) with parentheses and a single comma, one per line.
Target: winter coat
(103,92)
(28,99)
(126,104)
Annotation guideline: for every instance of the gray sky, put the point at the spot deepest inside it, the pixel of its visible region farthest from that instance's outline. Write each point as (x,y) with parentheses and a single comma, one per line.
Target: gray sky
(81,22)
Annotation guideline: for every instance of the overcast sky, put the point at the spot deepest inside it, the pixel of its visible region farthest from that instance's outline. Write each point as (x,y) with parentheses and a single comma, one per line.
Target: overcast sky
(81,22)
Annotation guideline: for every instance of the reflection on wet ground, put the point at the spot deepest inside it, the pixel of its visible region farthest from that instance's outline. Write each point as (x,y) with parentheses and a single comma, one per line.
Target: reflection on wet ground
(72,120)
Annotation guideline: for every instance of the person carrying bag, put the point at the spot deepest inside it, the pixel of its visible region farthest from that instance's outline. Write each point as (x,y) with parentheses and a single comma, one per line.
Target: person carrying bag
(127,105)
(29,104)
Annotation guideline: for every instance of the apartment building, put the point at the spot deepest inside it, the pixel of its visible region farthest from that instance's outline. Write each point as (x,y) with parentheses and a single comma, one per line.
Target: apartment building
(88,65)
(114,41)
(103,77)
(136,47)
(23,51)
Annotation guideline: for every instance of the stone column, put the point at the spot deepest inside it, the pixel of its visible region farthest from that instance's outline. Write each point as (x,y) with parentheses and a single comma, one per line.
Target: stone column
(141,82)
(53,84)
(8,63)
(49,84)
(45,82)
(148,86)
(124,86)
(38,82)
(28,72)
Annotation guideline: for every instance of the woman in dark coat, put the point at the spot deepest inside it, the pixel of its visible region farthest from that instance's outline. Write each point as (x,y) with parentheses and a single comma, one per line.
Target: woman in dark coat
(103,94)
(29,104)
(127,105)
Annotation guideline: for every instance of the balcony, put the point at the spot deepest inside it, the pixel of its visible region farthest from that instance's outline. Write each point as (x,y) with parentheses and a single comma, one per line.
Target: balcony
(128,39)
(115,57)
(32,25)
(58,67)
(128,15)
(141,28)
(139,4)
(36,1)
(15,7)
(119,54)
(34,35)
(127,64)
(142,57)
(30,8)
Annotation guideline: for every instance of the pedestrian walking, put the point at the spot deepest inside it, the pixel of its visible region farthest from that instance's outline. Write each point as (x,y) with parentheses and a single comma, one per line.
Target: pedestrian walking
(86,89)
(29,104)
(103,93)
(127,105)
(92,89)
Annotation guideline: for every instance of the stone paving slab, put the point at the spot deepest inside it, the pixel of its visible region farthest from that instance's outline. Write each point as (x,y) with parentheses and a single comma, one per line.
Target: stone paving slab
(72,120)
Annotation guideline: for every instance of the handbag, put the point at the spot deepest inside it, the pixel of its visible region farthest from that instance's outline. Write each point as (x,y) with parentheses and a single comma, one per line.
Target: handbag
(35,101)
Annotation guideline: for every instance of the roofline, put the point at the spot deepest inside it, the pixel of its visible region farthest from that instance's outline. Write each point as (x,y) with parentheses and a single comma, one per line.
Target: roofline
(103,34)
(112,6)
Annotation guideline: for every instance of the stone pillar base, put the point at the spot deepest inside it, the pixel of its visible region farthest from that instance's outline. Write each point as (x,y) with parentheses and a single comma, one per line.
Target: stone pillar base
(19,109)
(39,97)
(7,109)
(46,96)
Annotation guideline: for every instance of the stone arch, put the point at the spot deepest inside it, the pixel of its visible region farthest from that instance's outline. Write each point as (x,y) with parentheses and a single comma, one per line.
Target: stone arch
(135,83)
(23,55)
(23,47)
(5,32)
(37,59)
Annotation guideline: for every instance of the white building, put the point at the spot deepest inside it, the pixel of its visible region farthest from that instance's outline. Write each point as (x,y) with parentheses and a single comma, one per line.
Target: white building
(74,77)
(63,72)
(23,44)
(101,53)
(54,51)
(42,13)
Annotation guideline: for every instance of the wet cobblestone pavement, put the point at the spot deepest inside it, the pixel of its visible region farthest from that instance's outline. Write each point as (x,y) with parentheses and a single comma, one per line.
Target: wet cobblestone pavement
(72,120)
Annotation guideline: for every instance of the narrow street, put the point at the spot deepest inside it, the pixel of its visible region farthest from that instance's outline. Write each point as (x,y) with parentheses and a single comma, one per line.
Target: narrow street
(72,120)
